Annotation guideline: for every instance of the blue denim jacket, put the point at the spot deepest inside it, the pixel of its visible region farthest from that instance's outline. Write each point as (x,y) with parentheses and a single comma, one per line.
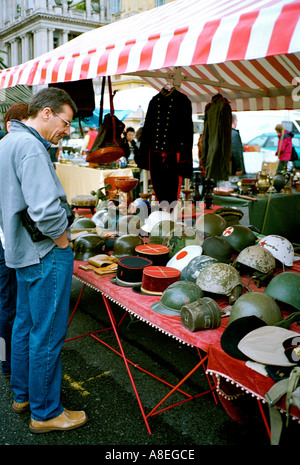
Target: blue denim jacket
(28,180)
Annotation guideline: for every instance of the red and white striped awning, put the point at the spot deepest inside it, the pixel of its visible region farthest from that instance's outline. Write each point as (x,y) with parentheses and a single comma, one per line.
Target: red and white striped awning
(248,50)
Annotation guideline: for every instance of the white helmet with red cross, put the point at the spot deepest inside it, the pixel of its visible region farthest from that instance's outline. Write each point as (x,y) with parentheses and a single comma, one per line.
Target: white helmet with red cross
(280,248)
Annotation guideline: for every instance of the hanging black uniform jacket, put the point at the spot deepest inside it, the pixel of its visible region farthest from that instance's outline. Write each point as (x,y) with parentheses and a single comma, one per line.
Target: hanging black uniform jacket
(216,142)
(167,143)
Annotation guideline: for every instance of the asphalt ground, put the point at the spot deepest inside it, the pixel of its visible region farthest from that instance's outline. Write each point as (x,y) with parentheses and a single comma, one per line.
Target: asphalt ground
(95,380)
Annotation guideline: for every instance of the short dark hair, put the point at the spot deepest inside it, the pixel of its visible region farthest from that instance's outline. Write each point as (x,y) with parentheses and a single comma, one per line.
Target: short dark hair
(52,97)
(130,129)
(17,111)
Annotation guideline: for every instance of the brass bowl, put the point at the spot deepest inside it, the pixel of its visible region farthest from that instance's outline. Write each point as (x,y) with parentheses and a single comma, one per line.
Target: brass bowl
(126,184)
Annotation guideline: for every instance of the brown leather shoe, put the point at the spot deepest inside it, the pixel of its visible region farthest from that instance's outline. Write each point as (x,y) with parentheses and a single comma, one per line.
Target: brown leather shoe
(20,407)
(65,421)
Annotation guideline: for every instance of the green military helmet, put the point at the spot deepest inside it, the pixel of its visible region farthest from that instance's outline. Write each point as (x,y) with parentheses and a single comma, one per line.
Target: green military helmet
(257,304)
(217,247)
(221,278)
(210,224)
(285,287)
(125,245)
(192,270)
(239,237)
(83,223)
(160,230)
(87,245)
(179,237)
(176,296)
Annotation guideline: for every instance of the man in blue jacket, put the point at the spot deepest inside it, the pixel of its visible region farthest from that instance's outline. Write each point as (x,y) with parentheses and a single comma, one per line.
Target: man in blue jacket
(44,265)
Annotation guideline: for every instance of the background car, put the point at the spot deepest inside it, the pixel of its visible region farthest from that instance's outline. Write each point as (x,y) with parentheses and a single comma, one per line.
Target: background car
(270,142)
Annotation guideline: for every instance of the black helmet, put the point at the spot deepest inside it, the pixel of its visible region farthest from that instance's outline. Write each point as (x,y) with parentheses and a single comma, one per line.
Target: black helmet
(87,246)
(125,245)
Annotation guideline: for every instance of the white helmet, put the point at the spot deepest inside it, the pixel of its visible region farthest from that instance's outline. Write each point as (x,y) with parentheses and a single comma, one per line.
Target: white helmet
(184,256)
(155,218)
(280,248)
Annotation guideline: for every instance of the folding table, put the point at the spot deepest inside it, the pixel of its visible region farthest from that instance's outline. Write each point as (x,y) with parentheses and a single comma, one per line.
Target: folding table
(140,307)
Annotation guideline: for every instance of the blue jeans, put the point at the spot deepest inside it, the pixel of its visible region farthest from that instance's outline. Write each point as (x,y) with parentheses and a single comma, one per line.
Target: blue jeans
(39,332)
(8,298)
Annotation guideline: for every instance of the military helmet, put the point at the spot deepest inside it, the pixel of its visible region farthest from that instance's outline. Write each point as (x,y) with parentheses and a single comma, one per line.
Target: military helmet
(184,256)
(160,230)
(257,262)
(239,237)
(192,270)
(125,245)
(221,278)
(83,223)
(257,304)
(257,257)
(280,248)
(179,237)
(154,218)
(210,224)
(285,287)
(87,246)
(105,218)
(217,247)
(176,296)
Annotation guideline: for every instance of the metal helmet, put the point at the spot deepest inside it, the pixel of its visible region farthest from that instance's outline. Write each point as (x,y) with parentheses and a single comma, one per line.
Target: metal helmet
(184,256)
(285,287)
(217,247)
(210,224)
(176,296)
(239,237)
(87,246)
(160,230)
(257,257)
(280,248)
(128,224)
(192,270)
(154,218)
(257,304)
(83,223)
(105,218)
(221,278)
(125,245)
(259,263)
(180,236)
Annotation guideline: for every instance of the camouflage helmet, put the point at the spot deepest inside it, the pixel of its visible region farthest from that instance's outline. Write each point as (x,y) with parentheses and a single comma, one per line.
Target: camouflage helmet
(257,304)
(221,278)
(239,237)
(176,296)
(87,245)
(83,223)
(180,236)
(210,224)
(285,287)
(160,230)
(217,247)
(192,270)
(125,245)
(280,248)
(258,258)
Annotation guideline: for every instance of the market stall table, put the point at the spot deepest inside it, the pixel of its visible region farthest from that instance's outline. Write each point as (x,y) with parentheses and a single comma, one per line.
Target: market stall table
(273,214)
(215,361)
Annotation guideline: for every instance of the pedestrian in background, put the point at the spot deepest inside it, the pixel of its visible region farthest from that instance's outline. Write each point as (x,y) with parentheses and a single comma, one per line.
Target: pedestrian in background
(8,280)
